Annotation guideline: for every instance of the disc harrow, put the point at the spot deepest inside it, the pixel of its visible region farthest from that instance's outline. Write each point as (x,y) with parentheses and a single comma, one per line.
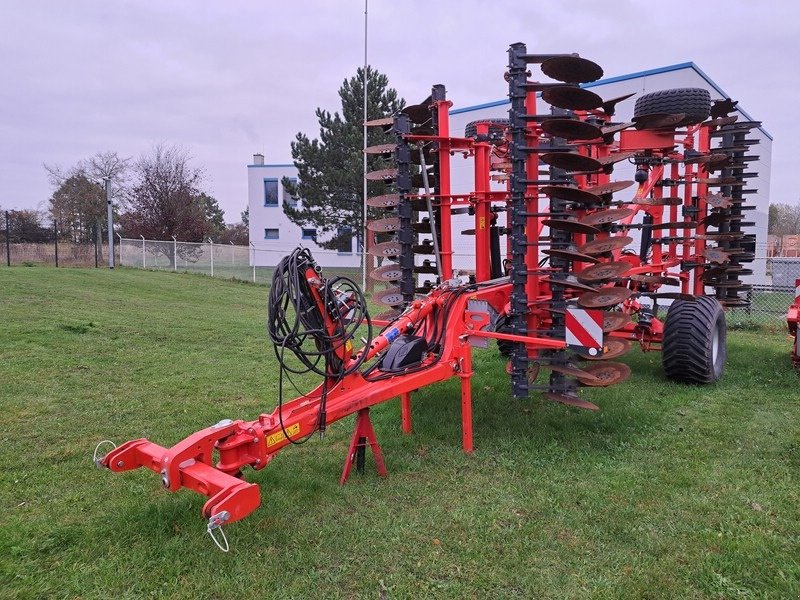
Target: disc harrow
(571,262)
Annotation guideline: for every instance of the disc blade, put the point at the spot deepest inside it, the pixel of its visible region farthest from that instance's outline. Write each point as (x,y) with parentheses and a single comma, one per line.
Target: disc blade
(384,201)
(569,282)
(573,371)
(380,149)
(387,273)
(609,215)
(571,161)
(610,188)
(604,271)
(571,69)
(570,194)
(382,175)
(658,201)
(384,225)
(382,122)
(571,98)
(389,297)
(385,249)
(610,106)
(570,255)
(571,400)
(605,373)
(612,348)
(605,297)
(570,225)
(604,245)
(571,129)
(612,321)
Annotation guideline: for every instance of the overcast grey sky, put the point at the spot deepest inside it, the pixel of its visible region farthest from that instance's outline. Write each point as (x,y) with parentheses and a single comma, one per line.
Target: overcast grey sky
(227,79)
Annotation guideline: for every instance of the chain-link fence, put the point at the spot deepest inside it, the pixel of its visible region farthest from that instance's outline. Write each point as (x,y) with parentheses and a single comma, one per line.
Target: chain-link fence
(227,261)
(773,291)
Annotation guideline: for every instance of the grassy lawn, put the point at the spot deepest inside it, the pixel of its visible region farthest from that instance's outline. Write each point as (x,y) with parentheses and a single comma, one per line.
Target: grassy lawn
(669,492)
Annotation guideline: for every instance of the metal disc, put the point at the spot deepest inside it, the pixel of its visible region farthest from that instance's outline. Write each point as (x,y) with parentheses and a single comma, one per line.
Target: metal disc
(387,315)
(422,227)
(570,194)
(382,175)
(385,201)
(604,297)
(605,373)
(615,128)
(467,232)
(571,129)
(658,201)
(610,106)
(609,188)
(532,373)
(387,273)
(384,225)
(569,282)
(389,297)
(382,122)
(380,149)
(655,279)
(658,120)
(571,400)
(603,245)
(570,161)
(385,249)
(706,158)
(570,255)
(604,270)
(612,348)
(616,157)
(573,371)
(722,237)
(718,201)
(418,113)
(612,321)
(570,225)
(606,216)
(425,247)
(721,108)
(721,121)
(572,69)
(720,181)
(571,98)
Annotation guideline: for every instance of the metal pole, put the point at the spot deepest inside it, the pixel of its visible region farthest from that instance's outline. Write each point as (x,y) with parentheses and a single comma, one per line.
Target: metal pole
(143,261)
(96,245)
(210,241)
(8,240)
(364,232)
(233,257)
(111,225)
(254,261)
(174,254)
(55,231)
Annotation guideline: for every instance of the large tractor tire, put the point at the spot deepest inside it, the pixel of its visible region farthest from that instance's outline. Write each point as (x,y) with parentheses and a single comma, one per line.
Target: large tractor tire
(497,127)
(695,103)
(694,347)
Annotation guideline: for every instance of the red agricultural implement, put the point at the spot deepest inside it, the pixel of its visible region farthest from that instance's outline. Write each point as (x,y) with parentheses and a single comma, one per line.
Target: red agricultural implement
(568,270)
(792,319)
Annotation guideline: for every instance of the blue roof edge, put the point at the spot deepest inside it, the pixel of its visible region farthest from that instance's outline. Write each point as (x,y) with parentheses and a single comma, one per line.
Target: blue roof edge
(657,71)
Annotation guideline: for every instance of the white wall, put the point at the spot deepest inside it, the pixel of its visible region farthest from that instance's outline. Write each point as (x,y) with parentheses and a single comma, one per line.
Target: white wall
(268,252)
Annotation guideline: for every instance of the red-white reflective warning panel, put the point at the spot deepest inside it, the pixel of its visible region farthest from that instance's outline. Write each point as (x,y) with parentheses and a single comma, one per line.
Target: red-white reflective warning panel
(584,330)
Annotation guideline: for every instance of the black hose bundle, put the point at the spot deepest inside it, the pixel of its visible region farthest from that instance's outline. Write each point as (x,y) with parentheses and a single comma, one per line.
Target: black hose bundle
(296,322)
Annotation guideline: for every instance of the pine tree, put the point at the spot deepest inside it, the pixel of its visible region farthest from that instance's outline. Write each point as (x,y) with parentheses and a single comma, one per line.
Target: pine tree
(330,169)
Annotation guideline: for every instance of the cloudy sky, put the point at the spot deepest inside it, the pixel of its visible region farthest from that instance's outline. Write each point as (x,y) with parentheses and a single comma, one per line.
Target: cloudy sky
(229,78)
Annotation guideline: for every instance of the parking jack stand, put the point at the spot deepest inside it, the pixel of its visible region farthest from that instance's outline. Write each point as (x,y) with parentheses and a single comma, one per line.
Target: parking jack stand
(363,435)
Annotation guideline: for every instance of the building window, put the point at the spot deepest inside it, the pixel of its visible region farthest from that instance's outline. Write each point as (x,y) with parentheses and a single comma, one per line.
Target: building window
(344,241)
(270,192)
(271,234)
(309,234)
(288,198)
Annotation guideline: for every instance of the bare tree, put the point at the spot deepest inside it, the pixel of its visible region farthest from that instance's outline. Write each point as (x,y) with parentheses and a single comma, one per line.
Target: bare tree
(784,219)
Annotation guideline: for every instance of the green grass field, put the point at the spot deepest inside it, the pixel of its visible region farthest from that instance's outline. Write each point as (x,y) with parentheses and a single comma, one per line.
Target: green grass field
(669,492)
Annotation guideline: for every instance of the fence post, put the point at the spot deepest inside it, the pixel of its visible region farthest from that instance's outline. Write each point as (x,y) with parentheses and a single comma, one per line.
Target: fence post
(120,248)
(110,217)
(55,231)
(143,259)
(210,241)
(233,257)
(174,254)
(8,240)
(96,235)
(253,261)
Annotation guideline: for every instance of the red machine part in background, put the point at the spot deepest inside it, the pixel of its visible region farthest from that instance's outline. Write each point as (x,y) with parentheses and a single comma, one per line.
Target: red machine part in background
(792,320)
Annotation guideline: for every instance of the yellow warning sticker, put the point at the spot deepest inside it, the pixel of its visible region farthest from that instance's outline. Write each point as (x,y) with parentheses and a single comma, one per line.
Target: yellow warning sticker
(278,437)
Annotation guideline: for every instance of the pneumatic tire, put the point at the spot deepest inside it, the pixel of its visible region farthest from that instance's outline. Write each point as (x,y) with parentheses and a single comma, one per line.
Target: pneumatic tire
(695,103)
(694,347)
(497,128)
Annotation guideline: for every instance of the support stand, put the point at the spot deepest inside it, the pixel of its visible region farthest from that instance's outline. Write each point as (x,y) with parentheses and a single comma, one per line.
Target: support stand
(363,435)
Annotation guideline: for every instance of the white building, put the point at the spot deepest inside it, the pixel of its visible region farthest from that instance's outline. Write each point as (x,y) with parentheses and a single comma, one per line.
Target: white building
(272,234)
(462,179)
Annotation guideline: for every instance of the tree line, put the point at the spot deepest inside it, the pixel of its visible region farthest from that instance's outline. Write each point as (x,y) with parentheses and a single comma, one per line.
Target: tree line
(158,196)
